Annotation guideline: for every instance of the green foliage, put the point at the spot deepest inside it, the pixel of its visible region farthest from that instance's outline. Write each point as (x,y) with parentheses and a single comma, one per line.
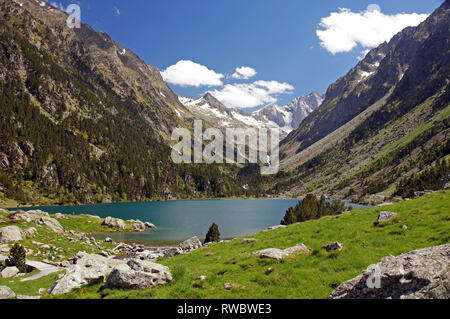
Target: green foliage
(17,257)
(312,208)
(429,179)
(213,234)
(317,274)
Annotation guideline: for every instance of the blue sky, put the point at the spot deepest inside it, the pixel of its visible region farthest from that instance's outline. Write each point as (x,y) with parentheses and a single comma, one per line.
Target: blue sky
(276,38)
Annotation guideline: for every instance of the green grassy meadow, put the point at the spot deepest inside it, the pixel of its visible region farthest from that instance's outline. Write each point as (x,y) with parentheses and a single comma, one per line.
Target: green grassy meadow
(299,276)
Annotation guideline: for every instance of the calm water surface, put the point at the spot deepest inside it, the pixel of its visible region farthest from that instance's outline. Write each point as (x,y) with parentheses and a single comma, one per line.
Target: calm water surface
(179,220)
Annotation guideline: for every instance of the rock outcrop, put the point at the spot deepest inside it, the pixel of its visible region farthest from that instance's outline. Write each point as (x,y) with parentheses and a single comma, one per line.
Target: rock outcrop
(6,293)
(138,274)
(420,274)
(150,225)
(336,246)
(9,272)
(30,232)
(10,234)
(274,227)
(139,226)
(190,244)
(385,217)
(39,217)
(279,254)
(114,223)
(89,269)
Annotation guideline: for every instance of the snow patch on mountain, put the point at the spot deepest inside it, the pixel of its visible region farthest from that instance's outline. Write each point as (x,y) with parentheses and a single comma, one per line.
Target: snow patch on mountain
(285,118)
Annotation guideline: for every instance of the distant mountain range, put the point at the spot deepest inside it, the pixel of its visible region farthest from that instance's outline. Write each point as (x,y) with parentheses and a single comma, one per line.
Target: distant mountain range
(85,120)
(285,118)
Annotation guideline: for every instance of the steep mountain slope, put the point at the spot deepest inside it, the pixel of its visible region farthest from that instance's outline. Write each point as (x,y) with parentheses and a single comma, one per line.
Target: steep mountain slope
(399,119)
(85,120)
(370,80)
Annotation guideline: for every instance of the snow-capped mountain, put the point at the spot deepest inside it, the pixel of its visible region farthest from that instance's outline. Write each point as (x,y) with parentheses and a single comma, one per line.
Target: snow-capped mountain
(289,117)
(286,118)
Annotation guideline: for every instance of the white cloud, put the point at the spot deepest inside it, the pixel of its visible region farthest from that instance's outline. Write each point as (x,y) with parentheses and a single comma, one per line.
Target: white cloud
(251,95)
(363,54)
(188,73)
(344,30)
(274,87)
(244,72)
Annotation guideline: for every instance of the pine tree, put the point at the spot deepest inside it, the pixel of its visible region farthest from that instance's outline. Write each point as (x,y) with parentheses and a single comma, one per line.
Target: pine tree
(17,257)
(213,234)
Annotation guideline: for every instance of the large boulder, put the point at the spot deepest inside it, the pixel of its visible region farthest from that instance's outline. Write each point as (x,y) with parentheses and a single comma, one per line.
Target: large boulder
(420,274)
(29,216)
(6,293)
(53,224)
(279,254)
(385,217)
(138,274)
(10,234)
(190,244)
(39,217)
(114,223)
(9,272)
(139,226)
(88,269)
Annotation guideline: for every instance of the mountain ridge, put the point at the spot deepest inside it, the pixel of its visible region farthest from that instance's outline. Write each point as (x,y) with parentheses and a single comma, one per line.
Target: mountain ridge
(273,116)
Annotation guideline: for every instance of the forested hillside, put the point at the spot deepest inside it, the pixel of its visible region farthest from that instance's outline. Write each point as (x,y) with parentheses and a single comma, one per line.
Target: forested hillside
(82,123)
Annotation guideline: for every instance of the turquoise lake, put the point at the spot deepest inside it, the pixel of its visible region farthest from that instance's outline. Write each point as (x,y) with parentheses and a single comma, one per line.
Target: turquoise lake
(179,220)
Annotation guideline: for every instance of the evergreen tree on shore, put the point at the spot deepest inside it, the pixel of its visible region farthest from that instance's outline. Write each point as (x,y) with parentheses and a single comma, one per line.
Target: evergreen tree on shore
(213,234)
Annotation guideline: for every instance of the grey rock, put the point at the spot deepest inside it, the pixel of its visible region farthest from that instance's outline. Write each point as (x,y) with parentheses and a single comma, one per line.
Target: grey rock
(30,232)
(10,234)
(150,225)
(172,251)
(279,254)
(114,223)
(10,272)
(39,217)
(420,274)
(336,246)
(274,227)
(53,224)
(190,244)
(88,269)
(6,293)
(139,226)
(4,249)
(385,217)
(138,274)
